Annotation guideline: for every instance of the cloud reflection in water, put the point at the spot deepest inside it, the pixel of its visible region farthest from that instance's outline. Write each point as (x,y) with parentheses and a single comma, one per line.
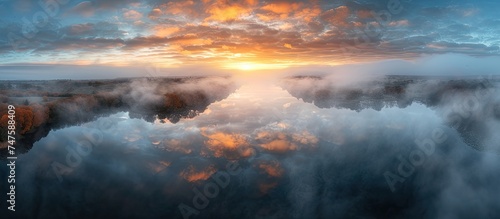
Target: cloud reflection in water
(298,161)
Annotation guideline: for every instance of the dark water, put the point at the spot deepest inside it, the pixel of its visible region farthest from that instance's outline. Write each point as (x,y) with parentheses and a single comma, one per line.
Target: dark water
(263,153)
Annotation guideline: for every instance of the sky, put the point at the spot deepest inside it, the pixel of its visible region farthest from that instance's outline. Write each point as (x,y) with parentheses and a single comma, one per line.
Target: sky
(242,35)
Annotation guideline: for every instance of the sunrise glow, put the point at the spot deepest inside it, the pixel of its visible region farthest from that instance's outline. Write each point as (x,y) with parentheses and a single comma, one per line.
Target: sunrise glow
(252,66)
(246,35)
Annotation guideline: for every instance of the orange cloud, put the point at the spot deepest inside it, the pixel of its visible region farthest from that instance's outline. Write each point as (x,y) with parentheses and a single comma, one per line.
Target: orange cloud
(284,10)
(272,168)
(190,40)
(280,143)
(227,144)
(276,142)
(278,11)
(132,15)
(337,16)
(193,175)
(280,146)
(305,138)
(252,2)
(308,14)
(179,7)
(223,10)
(363,14)
(155,13)
(226,13)
(165,31)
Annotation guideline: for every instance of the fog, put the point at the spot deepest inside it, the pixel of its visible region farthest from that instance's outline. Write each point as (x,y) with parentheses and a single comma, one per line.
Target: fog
(449,64)
(93,71)
(294,159)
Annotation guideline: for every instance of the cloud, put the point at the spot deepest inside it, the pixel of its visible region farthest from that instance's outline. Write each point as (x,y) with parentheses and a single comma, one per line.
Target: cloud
(399,23)
(84,8)
(192,175)
(165,31)
(80,29)
(132,15)
(337,16)
(222,10)
(258,31)
(227,145)
(100,29)
(178,7)
(113,4)
(272,168)
(286,10)
(282,8)
(275,142)
(155,13)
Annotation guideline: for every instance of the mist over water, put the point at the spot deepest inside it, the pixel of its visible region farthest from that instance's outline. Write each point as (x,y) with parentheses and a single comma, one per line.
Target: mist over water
(247,109)
(298,155)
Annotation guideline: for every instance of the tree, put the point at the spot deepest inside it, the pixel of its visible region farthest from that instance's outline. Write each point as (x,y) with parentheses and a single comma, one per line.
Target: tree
(24,119)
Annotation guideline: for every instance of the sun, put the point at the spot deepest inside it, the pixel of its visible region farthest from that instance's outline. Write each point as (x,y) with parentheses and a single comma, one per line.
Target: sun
(246,66)
(252,66)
